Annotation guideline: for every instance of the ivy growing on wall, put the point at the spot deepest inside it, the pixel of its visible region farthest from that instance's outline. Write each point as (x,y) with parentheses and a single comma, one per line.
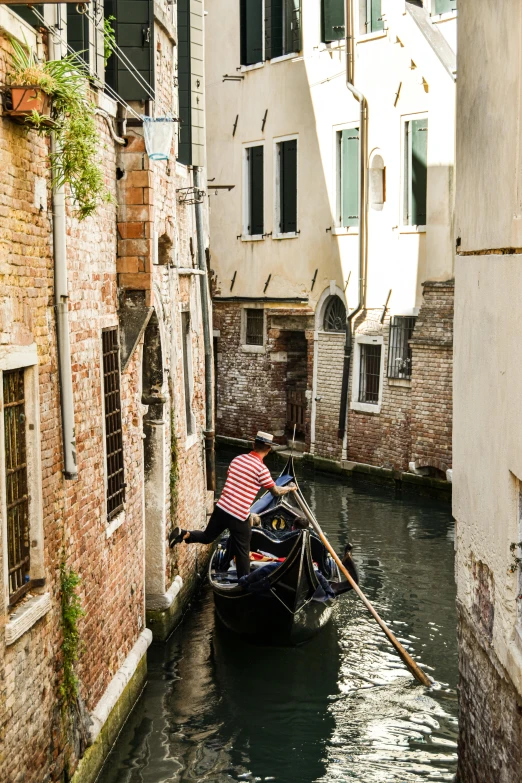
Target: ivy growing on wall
(71,611)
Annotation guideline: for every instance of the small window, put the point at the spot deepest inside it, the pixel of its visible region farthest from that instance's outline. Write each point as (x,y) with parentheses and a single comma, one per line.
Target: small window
(370,15)
(370,373)
(282,27)
(334,315)
(348,177)
(287,172)
(187,371)
(415,172)
(17,495)
(332,20)
(255,324)
(113,423)
(377,183)
(443,6)
(251,26)
(399,351)
(254,217)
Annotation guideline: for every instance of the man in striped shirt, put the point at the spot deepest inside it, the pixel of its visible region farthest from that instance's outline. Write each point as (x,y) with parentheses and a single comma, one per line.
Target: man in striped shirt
(247,474)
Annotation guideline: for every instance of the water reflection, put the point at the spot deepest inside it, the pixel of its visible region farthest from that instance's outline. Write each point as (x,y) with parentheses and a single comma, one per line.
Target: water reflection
(340,708)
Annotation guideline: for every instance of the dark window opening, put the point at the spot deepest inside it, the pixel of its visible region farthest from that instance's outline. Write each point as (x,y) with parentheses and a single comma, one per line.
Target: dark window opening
(17,496)
(282,27)
(334,315)
(255,217)
(332,20)
(399,350)
(187,371)
(25,11)
(370,373)
(287,152)
(251,25)
(113,422)
(134,32)
(255,324)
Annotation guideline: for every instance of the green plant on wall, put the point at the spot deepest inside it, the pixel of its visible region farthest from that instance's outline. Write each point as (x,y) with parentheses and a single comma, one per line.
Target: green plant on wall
(71,611)
(74,159)
(109,38)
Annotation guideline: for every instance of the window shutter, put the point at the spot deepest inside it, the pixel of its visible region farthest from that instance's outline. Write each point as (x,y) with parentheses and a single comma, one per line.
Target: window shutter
(295,26)
(273,28)
(256,158)
(78,32)
(134,30)
(377,22)
(197,75)
(350,177)
(251,31)
(444,6)
(288,186)
(419,171)
(27,15)
(184,93)
(333,20)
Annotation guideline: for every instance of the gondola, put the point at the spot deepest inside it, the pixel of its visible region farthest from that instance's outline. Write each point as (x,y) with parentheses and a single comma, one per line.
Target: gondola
(294,582)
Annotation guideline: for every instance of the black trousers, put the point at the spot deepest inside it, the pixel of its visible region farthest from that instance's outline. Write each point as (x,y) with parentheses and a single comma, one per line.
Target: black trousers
(240,533)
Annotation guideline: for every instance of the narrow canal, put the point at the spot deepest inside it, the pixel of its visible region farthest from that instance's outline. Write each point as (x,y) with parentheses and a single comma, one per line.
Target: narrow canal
(342,707)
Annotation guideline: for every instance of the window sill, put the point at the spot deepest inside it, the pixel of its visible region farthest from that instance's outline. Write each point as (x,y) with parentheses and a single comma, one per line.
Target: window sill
(404,382)
(372,36)
(448,16)
(114,524)
(191,441)
(327,46)
(292,235)
(252,237)
(284,57)
(23,619)
(253,348)
(412,230)
(365,407)
(345,231)
(253,67)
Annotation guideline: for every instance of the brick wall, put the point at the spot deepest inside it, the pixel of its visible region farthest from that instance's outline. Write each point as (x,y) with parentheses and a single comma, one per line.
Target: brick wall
(330,361)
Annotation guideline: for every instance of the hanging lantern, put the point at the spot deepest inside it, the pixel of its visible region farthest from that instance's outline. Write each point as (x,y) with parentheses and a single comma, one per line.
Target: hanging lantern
(158,136)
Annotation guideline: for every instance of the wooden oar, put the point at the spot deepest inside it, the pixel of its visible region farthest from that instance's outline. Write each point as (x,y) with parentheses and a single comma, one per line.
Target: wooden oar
(406,657)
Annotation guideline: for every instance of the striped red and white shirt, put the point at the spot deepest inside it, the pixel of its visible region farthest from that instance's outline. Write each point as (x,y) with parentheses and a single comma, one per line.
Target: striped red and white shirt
(246,475)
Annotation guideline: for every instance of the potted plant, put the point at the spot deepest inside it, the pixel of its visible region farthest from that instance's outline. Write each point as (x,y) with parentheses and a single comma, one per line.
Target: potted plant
(53,97)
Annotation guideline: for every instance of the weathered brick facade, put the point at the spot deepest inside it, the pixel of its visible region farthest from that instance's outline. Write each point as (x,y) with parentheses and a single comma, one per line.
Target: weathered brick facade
(111,262)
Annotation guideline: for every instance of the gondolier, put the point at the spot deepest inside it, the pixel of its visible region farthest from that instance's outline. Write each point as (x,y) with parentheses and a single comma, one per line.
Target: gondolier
(247,474)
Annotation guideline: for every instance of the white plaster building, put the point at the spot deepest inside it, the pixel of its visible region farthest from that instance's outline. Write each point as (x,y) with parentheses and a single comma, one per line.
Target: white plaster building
(284,132)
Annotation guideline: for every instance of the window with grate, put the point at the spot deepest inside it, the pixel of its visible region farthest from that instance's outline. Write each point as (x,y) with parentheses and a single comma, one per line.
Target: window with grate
(370,373)
(399,351)
(17,496)
(254,333)
(334,315)
(113,425)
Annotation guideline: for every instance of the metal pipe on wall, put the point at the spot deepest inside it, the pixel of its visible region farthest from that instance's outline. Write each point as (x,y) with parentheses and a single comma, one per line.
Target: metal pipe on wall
(363,215)
(61,308)
(210,457)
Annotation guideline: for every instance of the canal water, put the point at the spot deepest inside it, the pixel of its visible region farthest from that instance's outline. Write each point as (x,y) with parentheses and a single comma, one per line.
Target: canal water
(341,707)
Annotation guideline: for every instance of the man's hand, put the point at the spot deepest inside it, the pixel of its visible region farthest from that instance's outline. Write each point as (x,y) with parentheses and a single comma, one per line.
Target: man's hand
(278,491)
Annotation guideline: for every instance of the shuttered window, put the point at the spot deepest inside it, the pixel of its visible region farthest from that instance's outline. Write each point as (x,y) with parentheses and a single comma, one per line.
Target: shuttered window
(374,20)
(255,190)
(190,80)
(443,6)
(287,162)
(251,19)
(78,36)
(349,177)
(134,31)
(332,22)
(416,172)
(282,27)
(27,15)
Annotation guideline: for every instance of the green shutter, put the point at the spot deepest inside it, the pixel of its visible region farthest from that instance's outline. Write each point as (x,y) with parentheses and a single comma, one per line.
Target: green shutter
(26,13)
(332,20)
(197,75)
(444,6)
(78,32)
(419,171)
(349,177)
(256,194)
(251,31)
(376,11)
(184,92)
(288,186)
(134,30)
(273,29)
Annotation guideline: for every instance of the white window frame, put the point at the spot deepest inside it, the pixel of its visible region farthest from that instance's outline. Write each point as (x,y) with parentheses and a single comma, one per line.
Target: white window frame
(245,236)
(436,17)
(361,36)
(24,359)
(338,229)
(405,228)
(355,405)
(277,190)
(244,346)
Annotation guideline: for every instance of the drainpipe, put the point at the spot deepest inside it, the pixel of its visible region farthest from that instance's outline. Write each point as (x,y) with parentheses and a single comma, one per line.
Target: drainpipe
(363,221)
(210,461)
(61,308)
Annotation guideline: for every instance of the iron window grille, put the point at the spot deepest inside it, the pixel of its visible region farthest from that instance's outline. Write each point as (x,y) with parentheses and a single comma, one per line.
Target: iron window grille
(17,495)
(334,315)
(399,351)
(113,423)
(254,333)
(370,373)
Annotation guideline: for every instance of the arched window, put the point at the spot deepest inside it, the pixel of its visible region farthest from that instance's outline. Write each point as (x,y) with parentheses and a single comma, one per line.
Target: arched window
(334,315)
(377,183)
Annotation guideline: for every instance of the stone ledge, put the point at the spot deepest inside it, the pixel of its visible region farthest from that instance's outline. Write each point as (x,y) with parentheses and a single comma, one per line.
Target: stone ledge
(26,616)
(162,601)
